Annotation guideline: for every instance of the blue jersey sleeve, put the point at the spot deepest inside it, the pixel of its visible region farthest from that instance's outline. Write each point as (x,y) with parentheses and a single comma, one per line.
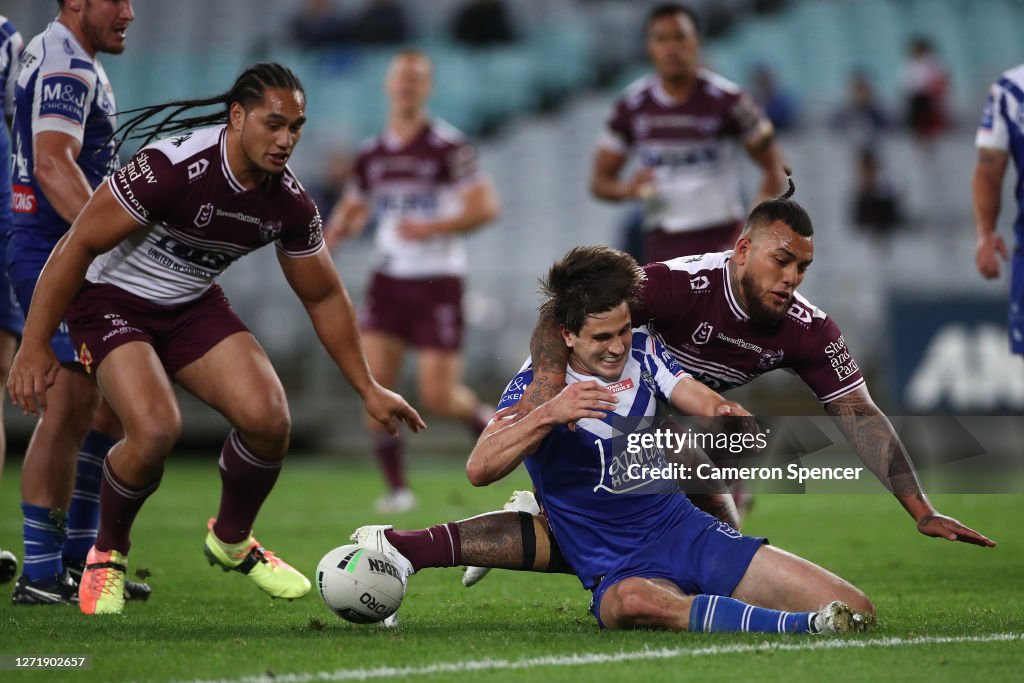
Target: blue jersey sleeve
(515,389)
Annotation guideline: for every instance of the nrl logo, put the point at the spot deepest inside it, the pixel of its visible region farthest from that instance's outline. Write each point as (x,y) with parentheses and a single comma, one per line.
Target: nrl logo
(204,216)
(702,334)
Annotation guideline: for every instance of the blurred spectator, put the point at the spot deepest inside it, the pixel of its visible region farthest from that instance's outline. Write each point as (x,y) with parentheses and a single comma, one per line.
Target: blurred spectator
(480,23)
(779,104)
(862,117)
(318,25)
(926,85)
(381,22)
(877,209)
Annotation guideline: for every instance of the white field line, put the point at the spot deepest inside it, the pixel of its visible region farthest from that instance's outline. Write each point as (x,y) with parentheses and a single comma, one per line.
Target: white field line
(590,658)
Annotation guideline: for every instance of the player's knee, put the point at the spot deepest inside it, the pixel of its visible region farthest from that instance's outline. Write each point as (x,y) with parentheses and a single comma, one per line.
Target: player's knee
(632,605)
(269,423)
(153,439)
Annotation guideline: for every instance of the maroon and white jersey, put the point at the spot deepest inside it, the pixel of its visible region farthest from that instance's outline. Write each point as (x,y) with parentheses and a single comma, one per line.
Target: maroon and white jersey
(419,181)
(200,218)
(690,307)
(692,145)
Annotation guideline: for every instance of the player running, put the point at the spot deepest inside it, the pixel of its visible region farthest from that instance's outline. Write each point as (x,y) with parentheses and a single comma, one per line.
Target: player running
(421,180)
(136,274)
(650,557)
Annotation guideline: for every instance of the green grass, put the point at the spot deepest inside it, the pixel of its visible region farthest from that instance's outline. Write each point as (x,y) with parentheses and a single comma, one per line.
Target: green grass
(204,624)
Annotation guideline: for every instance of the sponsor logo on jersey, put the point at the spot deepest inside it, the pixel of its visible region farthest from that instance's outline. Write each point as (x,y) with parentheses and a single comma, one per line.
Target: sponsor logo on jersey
(204,216)
(769,359)
(702,335)
(238,216)
(742,343)
(700,283)
(23,199)
(624,385)
(840,358)
(197,168)
(289,183)
(63,95)
(799,312)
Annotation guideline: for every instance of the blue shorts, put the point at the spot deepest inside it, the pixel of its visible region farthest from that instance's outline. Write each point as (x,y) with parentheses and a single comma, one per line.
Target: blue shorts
(11,318)
(700,554)
(1016,320)
(26,256)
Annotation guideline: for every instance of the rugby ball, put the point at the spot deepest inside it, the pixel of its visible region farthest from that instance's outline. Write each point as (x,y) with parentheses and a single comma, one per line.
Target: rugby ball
(360,584)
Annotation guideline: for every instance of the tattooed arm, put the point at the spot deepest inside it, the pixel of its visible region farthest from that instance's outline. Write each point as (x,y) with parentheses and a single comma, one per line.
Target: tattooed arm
(550,356)
(988,186)
(879,447)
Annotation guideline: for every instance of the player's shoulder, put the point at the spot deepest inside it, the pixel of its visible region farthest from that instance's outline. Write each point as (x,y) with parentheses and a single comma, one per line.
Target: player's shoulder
(805,314)
(296,192)
(637,92)
(718,86)
(7,29)
(180,148)
(443,134)
(1013,81)
(370,146)
(698,263)
(61,51)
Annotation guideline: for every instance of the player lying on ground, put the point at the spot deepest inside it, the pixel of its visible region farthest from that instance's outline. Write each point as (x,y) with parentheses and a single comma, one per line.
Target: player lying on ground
(730,317)
(650,557)
(136,276)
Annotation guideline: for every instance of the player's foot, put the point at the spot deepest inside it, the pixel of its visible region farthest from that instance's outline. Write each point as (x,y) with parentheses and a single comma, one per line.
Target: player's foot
(61,590)
(521,501)
(837,617)
(133,590)
(394,502)
(372,536)
(8,566)
(267,570)
(102,588)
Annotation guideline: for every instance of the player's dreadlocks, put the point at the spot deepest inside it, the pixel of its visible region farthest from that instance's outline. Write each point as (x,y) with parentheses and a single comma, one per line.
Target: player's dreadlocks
(247,89)
(782,208)
(589,280)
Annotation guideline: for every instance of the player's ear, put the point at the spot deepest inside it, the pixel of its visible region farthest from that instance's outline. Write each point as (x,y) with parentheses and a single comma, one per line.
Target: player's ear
(741,250)
(568,337)
(236,115)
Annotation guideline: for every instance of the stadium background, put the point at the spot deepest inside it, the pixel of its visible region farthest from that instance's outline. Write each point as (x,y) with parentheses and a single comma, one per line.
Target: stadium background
(535,109)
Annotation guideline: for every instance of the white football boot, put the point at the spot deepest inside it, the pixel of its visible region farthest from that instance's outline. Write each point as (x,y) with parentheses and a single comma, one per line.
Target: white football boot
(837,618)
(521,501)
(372,536)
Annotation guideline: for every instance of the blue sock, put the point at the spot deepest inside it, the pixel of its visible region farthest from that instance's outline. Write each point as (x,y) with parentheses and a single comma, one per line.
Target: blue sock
(84,511)
(718,613)
(44,535)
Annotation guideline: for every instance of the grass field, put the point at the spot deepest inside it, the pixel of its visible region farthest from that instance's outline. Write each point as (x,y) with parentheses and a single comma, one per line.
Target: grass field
(948,612)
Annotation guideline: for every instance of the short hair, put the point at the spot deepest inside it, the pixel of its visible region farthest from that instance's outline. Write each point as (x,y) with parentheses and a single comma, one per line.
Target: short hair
(781,208)
(589,280)
(670,9)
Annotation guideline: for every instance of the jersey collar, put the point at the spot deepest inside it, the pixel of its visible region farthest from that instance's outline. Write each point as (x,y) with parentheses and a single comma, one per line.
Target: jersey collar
(730,295)
(233,183)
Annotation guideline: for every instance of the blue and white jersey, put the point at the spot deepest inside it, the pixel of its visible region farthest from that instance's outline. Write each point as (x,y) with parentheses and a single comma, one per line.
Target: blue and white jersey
(596,511)
(11,45)
(1002,128)
(63,89)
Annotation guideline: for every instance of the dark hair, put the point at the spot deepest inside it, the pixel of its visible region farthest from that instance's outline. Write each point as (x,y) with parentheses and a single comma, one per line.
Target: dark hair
(247,89)
(781,208)
(671,9)
(589,280)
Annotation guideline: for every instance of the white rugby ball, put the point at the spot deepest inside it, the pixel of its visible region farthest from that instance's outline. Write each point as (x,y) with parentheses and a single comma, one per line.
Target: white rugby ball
(360,584)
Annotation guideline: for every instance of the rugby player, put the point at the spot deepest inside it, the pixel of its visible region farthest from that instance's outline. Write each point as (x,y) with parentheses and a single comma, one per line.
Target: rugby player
(11,318)
(730,317)
(419,177)
(135,275)
(650,557)
(64,118)
(684,124)
(1000,136)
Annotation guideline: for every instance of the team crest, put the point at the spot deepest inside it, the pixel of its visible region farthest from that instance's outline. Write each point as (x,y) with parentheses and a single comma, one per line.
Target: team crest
(269,230)
(769,359)
(85,358)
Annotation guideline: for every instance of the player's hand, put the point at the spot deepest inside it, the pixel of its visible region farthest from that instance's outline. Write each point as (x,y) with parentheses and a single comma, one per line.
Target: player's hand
(941,526)
(390,409)
(986,256)
(33,372)
(415,231)
(578,401)
(641,185)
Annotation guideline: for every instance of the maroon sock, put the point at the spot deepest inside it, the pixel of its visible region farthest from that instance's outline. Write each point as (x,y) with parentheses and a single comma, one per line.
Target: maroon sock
(477,422)
(438,546)
(246,481)
(389,454)
(119,504)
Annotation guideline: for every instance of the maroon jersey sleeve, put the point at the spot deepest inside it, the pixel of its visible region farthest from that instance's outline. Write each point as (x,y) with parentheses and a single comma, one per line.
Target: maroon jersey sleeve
(826,363)
(618,128)
(304,233)
(745,118)
(460,164)
(148,187)
(657,296)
